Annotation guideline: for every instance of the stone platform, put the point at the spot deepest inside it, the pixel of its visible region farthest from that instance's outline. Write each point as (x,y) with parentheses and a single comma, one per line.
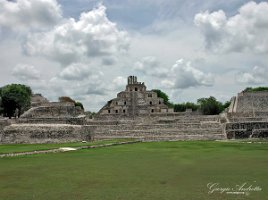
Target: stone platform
(156,127)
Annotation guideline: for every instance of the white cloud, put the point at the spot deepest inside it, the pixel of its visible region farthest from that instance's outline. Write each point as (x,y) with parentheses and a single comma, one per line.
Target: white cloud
(183,75)
(149,65)
(81,79)
(256,76)
(119,82)
(93,35)
(76,71)
(25,14)
(25,72)
(245,31)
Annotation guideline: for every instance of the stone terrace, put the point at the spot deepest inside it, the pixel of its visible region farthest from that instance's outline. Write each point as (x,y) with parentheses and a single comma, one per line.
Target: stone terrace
(175,127)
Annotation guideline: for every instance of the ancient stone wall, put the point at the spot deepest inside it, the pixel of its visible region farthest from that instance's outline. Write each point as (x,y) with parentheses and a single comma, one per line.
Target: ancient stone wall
(3,123)
(45,133)
(168,115)
(250,129)
(54,120)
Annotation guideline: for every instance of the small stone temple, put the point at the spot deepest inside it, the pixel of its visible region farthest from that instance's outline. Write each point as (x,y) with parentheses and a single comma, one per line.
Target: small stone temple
(135,100)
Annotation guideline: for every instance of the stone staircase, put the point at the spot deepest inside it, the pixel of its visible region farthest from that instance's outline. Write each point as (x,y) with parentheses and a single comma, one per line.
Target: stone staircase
(180,128)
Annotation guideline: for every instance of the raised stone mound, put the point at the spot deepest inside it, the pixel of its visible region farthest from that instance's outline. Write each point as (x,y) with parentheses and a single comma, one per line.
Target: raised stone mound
(53,109)
(45,133)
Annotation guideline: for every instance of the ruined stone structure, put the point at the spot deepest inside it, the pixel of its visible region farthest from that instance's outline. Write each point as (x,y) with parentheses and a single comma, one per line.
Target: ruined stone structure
(247,115)
(53,109)
(45,112)
(249,104)
(38,100)
(140,114)
(46,122)
(134,101)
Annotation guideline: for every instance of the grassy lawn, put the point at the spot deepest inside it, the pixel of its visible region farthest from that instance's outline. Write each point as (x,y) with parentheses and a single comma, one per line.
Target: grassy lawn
(15,148)
(156,170)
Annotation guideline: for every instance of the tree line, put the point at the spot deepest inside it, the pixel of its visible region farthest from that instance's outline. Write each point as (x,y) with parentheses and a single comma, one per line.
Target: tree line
(207,106)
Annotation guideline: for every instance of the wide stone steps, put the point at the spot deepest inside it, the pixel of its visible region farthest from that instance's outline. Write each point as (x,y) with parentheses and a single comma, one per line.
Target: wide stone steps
(158,131)
(160,127)
(166,137)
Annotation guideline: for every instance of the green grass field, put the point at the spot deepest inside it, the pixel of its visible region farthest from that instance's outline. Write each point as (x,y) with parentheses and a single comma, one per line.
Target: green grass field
(17,148)
(155,170)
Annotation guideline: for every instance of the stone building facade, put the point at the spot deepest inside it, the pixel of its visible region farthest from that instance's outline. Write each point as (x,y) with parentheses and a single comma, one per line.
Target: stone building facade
(134,101)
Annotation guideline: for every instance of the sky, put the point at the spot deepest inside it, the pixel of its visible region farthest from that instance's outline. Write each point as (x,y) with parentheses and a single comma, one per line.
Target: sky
(86,49)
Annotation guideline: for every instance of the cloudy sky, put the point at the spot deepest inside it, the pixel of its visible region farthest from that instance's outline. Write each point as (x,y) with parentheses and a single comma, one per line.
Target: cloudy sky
(85,49)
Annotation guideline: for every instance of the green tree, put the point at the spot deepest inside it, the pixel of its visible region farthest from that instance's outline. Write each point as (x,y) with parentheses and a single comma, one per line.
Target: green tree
(164,96)
(190,105)
(1,106)
(226,104)
(77,103)
(181,107)
(210,106)
(15,96)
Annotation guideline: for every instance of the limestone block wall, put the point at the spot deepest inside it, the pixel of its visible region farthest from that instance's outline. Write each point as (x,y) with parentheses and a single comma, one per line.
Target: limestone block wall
(3,123)
(163,115)
(54,120)
(250,129)
(45,133)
